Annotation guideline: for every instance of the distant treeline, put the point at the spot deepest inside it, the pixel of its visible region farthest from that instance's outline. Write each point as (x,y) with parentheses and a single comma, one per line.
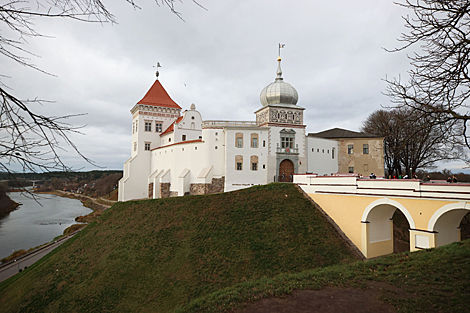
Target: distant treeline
(443,175)
(76,176)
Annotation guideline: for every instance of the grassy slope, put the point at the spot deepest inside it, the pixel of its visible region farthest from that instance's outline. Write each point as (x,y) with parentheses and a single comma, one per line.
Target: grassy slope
(435,280)
(157,255)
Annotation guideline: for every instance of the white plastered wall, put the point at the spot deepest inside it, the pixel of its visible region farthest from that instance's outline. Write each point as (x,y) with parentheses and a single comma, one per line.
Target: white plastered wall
(320,156)
(235,179)
(186,160)
(133,185)
(190,126)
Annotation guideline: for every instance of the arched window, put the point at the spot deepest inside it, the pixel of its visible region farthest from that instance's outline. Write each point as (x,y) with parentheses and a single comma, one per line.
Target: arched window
(239,140)
(254,162)
(239,162)
(254,140)
(193,126)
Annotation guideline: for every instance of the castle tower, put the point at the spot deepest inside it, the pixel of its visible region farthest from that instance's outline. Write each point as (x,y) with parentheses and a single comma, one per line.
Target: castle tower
(280,112)
(150,117)
(154,113)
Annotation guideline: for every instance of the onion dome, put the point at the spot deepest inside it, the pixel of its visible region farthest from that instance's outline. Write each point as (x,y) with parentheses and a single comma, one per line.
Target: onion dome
(279,92)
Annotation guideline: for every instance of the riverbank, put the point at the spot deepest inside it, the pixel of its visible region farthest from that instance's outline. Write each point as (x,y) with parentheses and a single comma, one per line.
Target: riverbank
(42,218)
(97,205)
(7,205)
(89,202)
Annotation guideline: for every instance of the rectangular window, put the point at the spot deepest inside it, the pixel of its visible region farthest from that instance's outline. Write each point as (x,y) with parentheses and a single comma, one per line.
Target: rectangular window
(158,127)
(287,142)
(148,126)
(365,149)
(239,166)
(254,166)
(350,150)
(147,146)
(332,153)
(351,169)
(366,167)
(135,146)
(264,143)
(183,138)
(133,128)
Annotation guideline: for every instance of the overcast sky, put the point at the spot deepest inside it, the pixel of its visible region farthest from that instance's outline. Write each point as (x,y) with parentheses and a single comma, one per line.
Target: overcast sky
(220,59)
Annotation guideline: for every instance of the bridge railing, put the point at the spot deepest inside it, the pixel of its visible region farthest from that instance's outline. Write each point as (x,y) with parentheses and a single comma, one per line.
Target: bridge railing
(382,187)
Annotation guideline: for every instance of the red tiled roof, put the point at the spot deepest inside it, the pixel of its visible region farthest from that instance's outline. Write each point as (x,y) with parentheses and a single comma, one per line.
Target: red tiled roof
(171,127)
(179,143)
(158,96)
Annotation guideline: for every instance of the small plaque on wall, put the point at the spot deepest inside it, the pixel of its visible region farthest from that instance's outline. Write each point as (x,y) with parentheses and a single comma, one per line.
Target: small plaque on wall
(421,242)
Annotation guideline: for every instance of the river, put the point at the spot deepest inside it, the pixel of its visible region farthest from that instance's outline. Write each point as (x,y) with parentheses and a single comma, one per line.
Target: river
(34,224)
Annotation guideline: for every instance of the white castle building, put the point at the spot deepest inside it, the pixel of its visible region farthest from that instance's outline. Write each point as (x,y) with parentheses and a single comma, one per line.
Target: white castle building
(175,152)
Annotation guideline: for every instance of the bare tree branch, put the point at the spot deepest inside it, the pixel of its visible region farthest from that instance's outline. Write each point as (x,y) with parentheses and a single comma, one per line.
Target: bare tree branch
(29,140)
(439,86)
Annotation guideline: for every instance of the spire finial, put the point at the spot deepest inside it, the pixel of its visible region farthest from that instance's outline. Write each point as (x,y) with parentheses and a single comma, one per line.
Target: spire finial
(157,66)
(279,71)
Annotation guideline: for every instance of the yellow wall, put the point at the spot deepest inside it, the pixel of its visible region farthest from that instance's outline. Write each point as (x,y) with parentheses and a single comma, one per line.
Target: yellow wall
(374,159)
(347,212)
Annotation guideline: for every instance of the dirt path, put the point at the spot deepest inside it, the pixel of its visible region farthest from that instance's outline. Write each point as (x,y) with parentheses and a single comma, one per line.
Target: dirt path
(331,299)
(78,196)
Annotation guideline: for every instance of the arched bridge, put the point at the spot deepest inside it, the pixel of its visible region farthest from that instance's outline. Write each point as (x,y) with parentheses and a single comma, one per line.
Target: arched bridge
(363,209)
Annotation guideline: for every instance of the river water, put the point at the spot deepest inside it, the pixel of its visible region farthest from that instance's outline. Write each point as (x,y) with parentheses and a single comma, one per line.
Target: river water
(34,224)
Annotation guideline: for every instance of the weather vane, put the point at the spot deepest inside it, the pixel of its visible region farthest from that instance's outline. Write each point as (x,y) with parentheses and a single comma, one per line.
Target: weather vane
(281,45)
(158,65)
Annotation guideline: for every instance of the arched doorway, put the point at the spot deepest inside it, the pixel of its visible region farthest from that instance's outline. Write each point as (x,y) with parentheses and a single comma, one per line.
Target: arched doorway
(401,232)
(379,228)
(286,171)
(446,222)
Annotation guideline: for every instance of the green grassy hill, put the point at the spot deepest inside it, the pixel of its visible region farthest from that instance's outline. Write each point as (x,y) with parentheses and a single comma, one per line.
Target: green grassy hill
(159,255)
(434,280)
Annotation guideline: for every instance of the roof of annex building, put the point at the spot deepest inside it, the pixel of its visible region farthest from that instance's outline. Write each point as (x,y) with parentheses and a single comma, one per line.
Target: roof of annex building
(172,126)
(341,133)
(178,143)
(157,96)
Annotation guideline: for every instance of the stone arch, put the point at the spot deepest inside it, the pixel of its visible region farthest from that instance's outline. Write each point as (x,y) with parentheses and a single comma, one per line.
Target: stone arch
(445,222)
(378,214)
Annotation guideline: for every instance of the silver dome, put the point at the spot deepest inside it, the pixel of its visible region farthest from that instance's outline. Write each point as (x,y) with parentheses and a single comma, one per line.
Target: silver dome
(279,92)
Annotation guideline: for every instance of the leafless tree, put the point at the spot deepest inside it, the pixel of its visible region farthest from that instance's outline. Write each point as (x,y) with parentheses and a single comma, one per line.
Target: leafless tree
(30,142)
(438,88)
(409,143)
